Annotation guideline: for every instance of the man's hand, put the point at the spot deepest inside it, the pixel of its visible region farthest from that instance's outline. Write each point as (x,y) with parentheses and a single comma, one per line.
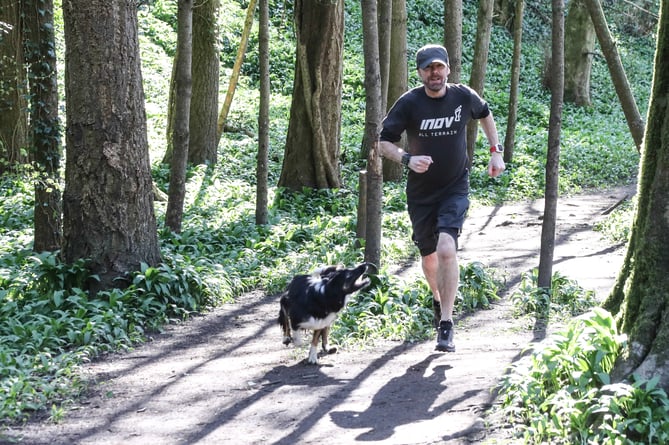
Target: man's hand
(496,165)
(420,163)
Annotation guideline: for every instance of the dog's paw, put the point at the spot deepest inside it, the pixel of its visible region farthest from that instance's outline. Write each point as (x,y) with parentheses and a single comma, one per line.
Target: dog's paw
(287,340)
(328,351)
(312,359)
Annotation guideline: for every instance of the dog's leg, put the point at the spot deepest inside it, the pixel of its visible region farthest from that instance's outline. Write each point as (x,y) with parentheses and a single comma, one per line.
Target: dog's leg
(284,320)
(313,348)
(324,337)
(297,337)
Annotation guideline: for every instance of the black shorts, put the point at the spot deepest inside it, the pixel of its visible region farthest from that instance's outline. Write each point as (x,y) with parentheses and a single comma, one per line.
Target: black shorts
(444,216)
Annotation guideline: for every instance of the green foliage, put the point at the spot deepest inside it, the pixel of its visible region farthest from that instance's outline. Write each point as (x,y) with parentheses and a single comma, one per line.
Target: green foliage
(564,299)
(49,325)
(562,392)
(478,287)
(617,226)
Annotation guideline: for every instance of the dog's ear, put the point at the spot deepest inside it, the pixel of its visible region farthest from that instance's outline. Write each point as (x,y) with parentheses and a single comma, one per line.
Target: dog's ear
(326,271)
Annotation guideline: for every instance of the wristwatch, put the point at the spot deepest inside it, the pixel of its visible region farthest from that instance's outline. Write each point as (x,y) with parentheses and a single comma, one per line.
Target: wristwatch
(406,157)
(499,148)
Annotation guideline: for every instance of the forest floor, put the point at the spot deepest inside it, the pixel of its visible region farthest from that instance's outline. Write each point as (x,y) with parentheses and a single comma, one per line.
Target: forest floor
(225,378)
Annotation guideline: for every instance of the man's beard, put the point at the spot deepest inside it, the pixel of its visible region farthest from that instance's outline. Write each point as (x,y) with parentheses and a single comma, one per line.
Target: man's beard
(435,85)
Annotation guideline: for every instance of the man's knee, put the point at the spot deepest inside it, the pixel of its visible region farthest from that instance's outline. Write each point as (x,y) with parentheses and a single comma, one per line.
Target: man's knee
(447,245)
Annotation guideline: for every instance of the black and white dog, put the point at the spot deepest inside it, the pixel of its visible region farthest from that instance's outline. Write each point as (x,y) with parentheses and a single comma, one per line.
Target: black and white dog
(313,302)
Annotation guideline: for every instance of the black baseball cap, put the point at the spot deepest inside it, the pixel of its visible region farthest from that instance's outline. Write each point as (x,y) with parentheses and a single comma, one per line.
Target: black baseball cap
(430,54)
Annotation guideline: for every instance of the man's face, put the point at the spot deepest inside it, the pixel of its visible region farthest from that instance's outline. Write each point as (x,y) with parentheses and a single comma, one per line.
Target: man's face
(434,77)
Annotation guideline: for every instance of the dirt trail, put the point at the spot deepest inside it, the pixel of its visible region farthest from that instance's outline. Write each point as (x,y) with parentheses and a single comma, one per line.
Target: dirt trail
(225,378)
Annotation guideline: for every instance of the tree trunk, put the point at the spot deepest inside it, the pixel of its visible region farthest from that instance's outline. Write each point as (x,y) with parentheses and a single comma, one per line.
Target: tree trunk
(203,140)
(553,154)
(311,156)
(385,32)
(640,297)
(40,54)
(504,14)
(373,112)
(618,76)
(183,79)
(234,78)
(262,169)
(397,77)
(579,46)
(108,212)
(512,119)
(453,37)
(477,79)
(13,103)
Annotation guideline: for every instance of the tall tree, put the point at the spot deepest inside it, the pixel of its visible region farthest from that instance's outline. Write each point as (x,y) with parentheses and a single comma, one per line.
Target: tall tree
(13,88)
(453,37)
(181,136)
(553,153)
(40,54)
(108,214)
(618,76)
(579,46)
(311,156)
(640,296)
(203,141)
(236,69)
(477,79)
(262,169)
(373,112)
(398,77)
(203,135)
(512,118)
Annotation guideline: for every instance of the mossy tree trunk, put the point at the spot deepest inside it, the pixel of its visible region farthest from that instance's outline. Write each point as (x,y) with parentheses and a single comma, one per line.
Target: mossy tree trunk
(397,77)
(311,157)
(40,54)
(203,140)
(453,37)
(13,90)
(579,47)
(640,297)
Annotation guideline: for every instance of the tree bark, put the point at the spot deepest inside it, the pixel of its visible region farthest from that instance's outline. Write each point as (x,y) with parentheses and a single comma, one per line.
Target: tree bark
(397,77)
(453,37)
(203,141)
(512,118)
(262,169)
(40,54)
(553,154)
(13,118)
(477,79)
(181,137)
(640,297)
(311,157)
(620,83)
(373,112)
(108,214)
(579,47)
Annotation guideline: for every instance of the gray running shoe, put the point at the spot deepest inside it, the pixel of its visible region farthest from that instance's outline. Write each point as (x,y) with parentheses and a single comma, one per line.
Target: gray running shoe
(445,337)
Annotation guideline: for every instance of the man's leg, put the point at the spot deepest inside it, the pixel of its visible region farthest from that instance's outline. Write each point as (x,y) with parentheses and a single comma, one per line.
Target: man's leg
(442,275)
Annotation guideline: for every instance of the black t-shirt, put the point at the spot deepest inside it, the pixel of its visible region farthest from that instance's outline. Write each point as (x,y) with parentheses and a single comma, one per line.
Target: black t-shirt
(436,127)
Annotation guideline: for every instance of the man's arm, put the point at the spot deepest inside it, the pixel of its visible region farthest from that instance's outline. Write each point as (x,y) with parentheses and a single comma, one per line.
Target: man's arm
(496,165)
(391,151)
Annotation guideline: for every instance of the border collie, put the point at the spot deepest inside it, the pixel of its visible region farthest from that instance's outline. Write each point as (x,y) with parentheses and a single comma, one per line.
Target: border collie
(313,302)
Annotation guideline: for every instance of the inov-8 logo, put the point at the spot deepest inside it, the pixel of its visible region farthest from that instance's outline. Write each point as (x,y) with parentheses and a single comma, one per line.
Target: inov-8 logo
(441,122)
